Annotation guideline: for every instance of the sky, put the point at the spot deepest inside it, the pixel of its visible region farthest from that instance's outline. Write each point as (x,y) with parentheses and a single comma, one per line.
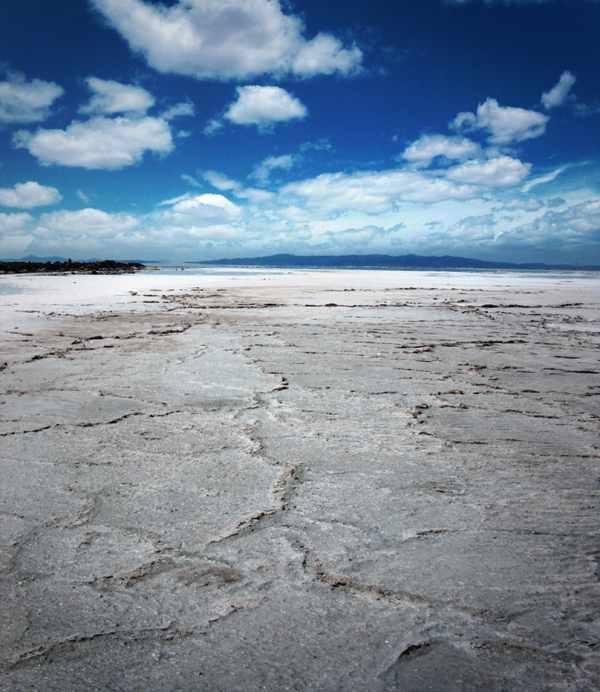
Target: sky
(193,130)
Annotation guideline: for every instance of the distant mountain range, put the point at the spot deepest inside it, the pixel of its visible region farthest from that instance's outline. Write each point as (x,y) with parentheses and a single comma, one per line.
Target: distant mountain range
(381,261)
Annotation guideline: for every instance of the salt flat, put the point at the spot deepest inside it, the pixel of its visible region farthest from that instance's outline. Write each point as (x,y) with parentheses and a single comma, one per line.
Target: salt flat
(300,480)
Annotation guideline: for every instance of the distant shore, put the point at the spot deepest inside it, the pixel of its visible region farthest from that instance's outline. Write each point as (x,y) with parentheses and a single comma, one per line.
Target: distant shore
(386,262)
(104,267)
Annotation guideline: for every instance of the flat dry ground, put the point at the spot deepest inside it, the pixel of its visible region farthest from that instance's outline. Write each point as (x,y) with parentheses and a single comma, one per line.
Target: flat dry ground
(337,481)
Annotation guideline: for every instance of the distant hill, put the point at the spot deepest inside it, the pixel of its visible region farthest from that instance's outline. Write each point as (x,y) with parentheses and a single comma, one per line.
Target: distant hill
(33,258)
(381,261)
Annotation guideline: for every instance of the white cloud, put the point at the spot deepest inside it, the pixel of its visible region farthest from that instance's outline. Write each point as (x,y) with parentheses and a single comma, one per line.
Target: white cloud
(100,143)
(226,39)
(573,229)
(201,211)
(223,183)
(191,180)
(429,147)
(532,204)
(585,110)
(505,125)
(559,92)
(263,170)
(29,195)
(15,234)
(543,179)
(568,236)
(374,192)
(348,240)
(14,224)
(381,191)
(325,55)
(85,222)
(26,102)
(112,97)
(319,145)
(263,106)
(212,126)
(15,245)
(501,172)
(474,228)
(578,220)
(186,108)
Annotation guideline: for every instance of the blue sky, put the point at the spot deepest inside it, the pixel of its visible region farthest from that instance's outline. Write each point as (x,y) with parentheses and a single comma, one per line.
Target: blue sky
(201,129)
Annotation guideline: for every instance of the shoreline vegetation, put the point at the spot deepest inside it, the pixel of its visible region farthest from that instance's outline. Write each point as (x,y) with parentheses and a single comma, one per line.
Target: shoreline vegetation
(94,267)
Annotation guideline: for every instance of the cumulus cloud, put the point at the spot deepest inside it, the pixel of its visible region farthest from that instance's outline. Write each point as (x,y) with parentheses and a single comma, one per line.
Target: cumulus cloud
(559,93)
(429,147)
(221,182)
(100,143)
(325,55)
(203,210)
(574,228)
(374,192)
(14,224)
(226,39)
(263,170)
(112,97)
(263,106)
(85,222)
(500,172)
(505,125)
(377,192)
(580,220)
(554,233)
(26,102)
(15,245)
(29,195)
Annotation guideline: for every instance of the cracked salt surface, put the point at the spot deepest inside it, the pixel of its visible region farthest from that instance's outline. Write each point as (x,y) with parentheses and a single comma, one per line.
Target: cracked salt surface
(358,481)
